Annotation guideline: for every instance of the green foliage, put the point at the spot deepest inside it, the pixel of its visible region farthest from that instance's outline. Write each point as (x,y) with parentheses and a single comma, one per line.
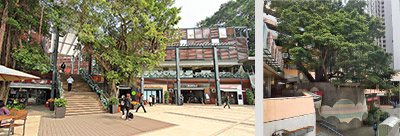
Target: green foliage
(336,38)
(234,13)
(166,96)
(113,101)
(375,115)
(16,106)
(125,37)
(60,102)
(250,97)
(31,58)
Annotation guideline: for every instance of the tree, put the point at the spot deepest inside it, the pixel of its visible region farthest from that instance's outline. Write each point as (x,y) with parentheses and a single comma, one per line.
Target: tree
(125,37)
(336,39)
(234,13)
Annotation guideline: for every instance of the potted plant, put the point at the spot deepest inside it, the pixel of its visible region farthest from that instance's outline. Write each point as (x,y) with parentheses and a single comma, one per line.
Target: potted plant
(51,105)
(250,97)
(113,103)
(60,104)
(166,97)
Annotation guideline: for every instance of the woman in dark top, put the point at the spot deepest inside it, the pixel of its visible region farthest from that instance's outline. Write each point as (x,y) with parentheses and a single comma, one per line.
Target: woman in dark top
(127,105)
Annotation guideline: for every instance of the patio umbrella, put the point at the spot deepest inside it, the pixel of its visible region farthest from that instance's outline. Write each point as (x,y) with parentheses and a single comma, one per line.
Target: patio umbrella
(8,74)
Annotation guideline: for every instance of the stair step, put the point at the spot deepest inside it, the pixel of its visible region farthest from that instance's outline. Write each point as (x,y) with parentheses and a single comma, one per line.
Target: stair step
(84,113)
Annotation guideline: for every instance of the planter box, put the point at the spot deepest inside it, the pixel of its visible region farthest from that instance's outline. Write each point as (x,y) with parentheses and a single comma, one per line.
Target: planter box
(51,106)
(60,112)
(113,109)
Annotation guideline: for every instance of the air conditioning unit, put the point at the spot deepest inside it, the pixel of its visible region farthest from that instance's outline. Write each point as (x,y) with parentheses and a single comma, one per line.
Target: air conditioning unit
(285,55)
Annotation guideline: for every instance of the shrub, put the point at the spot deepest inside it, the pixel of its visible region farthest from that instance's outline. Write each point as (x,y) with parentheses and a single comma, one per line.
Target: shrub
(61,102)
(16,106)
(113,101)
(166,96)
(375,115)
(250,97)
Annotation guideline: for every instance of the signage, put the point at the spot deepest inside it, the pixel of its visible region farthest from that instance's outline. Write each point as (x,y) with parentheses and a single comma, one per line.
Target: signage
(231,86)
(190,33)
(222,33)
(133,92)
(154,86)
(194,85)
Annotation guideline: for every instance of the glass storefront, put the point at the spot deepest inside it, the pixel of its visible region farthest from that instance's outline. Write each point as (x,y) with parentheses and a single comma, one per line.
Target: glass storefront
(157,93)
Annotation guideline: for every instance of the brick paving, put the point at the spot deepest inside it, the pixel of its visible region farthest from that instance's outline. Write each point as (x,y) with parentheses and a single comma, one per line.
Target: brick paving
(98,125)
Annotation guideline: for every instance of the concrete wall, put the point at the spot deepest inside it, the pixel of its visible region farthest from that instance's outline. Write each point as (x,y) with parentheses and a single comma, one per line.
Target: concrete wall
(287,107)
(290,124)
(343,106)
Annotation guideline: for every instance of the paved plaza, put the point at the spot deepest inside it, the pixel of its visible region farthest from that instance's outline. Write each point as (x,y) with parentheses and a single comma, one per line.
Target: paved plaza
(190,119)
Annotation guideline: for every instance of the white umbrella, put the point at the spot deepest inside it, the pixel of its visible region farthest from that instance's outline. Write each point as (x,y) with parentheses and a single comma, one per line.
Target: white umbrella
(8,74)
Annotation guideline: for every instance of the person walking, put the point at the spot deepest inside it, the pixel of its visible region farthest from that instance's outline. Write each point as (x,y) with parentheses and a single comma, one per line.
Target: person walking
(122,106)
(141,103)
(127,105)
(150,100)
(227,102)
(154,100)
(70,80)
(181,99)
(63,66)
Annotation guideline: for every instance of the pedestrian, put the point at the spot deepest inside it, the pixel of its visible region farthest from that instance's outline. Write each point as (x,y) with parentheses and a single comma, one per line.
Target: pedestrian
(70,80)
(154,99)
(227,102)
(3,111)
(173,99)
(150,100)
(181,99)
(141,104)
(127,105)
(63,66)
(122,106)
(202,100)
(375,127)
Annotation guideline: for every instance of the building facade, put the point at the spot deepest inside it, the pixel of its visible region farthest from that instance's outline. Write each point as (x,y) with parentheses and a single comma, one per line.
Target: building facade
(388,10)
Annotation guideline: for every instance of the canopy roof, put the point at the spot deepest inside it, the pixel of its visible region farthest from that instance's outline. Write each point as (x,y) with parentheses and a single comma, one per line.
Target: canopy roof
(67,45)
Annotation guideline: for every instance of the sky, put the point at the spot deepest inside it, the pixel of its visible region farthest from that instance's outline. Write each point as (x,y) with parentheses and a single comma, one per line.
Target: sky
(194,11)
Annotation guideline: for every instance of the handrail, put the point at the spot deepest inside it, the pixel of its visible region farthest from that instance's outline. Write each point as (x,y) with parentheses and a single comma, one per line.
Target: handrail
(88,78)
(324,124)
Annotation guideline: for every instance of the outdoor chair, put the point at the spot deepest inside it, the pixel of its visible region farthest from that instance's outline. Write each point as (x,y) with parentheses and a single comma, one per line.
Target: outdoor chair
(19,115)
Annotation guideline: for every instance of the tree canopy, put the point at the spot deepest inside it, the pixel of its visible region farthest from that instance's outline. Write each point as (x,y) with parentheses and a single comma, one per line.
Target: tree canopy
(125,37)
(234,13)
(337,41)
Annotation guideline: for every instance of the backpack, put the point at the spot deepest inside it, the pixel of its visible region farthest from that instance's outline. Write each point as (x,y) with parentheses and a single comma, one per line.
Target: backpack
(130,115)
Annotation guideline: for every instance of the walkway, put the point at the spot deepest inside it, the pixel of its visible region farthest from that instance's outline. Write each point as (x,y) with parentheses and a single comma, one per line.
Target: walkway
(196,119)
(190,119)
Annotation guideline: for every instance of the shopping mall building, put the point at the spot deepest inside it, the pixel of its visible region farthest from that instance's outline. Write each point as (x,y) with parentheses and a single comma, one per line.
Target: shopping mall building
(196,66)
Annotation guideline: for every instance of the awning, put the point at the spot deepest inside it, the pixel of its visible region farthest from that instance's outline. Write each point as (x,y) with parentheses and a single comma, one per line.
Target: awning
(30,85)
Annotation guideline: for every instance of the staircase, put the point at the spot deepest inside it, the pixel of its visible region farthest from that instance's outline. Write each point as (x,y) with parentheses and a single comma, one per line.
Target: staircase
(81,99)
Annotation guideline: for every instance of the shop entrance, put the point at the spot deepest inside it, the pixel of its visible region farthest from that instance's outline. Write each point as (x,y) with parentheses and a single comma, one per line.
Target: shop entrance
(157,93)
(193,96)
(232,97)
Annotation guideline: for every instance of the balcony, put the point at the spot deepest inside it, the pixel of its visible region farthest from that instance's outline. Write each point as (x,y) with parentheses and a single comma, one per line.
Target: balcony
(190,74)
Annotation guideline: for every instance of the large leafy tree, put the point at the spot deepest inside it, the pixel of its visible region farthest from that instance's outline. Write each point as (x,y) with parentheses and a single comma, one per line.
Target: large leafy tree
(20,49)
(125,37)
(333,40)
(234,13)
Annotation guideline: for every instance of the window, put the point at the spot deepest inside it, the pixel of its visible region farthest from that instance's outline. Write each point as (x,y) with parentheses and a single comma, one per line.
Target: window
(384,41)
(384,49)
(384,45)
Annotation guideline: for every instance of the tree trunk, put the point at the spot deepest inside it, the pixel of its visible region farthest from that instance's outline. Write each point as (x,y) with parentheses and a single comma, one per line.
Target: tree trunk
(40,27)
(113,89)
(8,46)
(3,25)
(305,72)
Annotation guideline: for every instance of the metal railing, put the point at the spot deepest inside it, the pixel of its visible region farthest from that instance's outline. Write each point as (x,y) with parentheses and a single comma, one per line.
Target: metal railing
(329,126)
(95,88)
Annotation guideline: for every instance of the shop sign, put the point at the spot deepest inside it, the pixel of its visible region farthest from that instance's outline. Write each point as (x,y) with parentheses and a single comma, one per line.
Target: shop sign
(190,34)
(154,86)
(231,86)
(195,85)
